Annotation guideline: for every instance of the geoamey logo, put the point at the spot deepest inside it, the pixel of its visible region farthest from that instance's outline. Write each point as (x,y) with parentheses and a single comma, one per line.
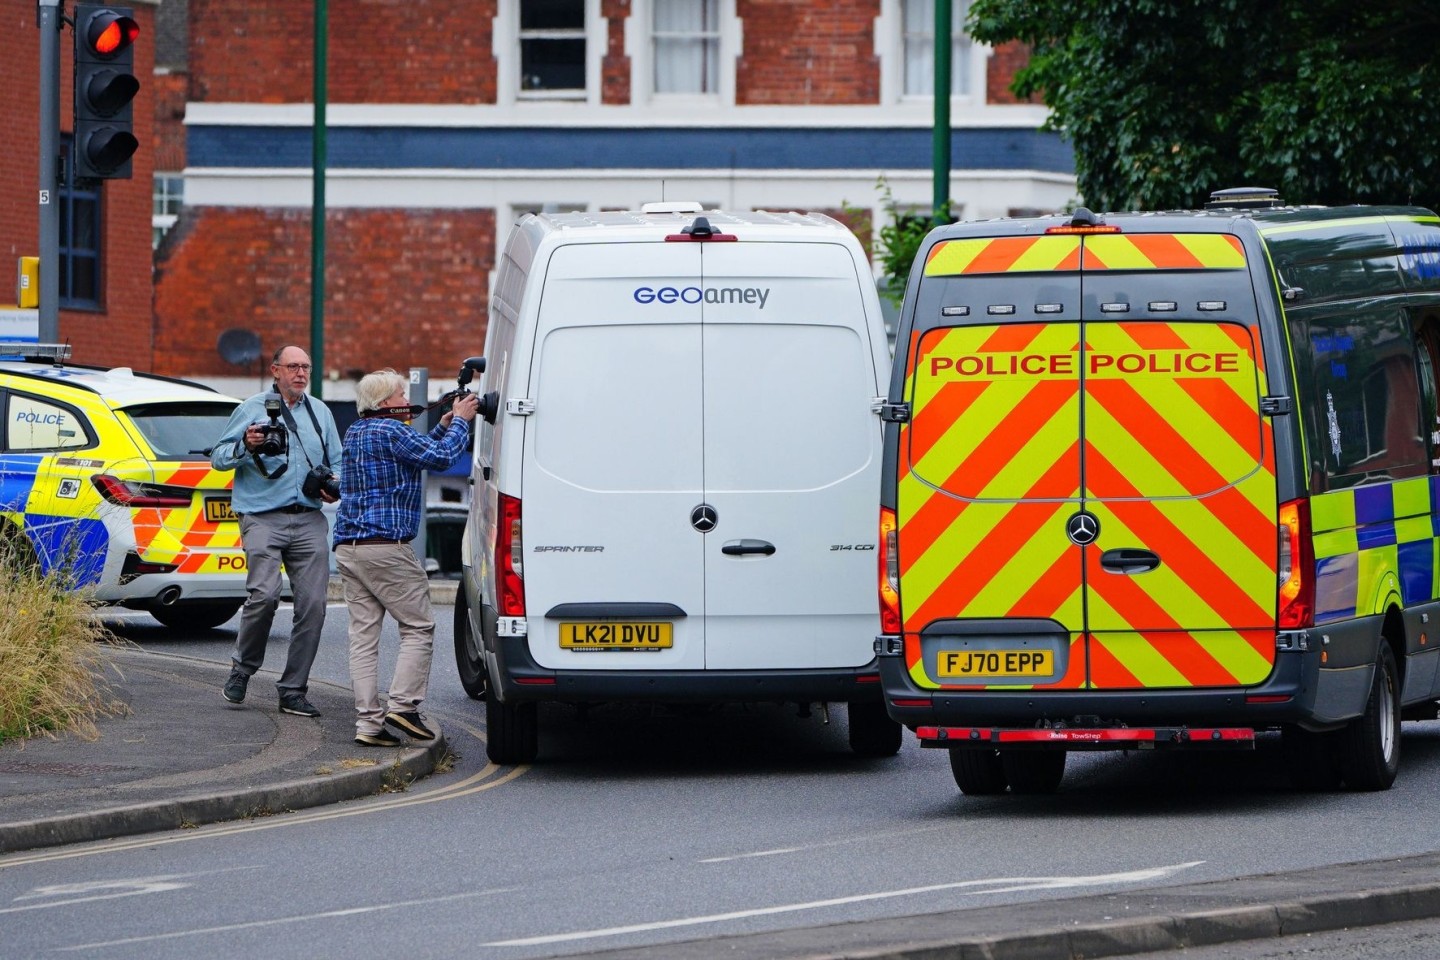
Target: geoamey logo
(715,295)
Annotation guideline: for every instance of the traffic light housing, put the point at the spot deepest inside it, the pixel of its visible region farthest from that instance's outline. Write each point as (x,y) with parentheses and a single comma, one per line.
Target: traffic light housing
(105,85)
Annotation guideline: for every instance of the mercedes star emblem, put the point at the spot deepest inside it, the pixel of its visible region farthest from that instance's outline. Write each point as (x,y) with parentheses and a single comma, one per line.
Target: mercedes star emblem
(704,518)
(1083,528)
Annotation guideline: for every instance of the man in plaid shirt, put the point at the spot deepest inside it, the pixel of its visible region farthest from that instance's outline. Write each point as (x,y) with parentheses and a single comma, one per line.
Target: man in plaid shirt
(380,493)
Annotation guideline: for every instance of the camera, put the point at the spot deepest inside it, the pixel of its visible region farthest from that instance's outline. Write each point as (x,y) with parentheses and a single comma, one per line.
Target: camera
(489,402)
(319,479)
(276,439)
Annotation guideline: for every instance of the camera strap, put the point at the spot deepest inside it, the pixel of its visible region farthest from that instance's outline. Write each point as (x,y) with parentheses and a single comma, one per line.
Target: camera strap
(290,422)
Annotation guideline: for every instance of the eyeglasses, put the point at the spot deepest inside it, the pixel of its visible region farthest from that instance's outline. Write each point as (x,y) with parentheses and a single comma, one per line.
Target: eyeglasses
(295,367)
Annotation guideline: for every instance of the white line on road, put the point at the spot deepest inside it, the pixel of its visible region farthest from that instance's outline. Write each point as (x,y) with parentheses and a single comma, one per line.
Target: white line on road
(993,885)
(805,848)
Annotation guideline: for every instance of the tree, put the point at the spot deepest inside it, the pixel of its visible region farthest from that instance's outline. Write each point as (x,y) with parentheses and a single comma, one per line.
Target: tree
(1167,100)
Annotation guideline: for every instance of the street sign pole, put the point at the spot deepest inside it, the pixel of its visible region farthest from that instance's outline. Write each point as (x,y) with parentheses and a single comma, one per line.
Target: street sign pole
(941,195)
(50,15)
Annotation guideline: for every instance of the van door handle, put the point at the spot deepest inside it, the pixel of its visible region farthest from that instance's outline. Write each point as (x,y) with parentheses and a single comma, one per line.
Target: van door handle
(739,548)
(1129,560)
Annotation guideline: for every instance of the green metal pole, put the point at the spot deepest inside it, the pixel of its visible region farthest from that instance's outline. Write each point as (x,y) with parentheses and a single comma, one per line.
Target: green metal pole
(317,208)
(941,197)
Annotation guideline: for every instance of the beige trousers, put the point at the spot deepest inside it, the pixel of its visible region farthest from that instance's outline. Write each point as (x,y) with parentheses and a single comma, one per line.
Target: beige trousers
(381,578)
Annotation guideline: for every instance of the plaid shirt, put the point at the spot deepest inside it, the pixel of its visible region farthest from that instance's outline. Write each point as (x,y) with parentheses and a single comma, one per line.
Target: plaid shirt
(380,481)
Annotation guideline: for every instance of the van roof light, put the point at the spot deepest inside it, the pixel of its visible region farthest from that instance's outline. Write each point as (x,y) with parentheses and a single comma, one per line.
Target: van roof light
(1244,198)
(1084,221)
(700,229)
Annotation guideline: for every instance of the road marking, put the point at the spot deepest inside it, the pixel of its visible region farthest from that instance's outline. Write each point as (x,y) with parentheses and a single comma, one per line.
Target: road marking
(993,885)
(277,921)
(804,848)
(484,779)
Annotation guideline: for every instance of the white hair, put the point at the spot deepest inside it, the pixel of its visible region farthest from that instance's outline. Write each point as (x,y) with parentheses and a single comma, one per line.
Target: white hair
(375,388)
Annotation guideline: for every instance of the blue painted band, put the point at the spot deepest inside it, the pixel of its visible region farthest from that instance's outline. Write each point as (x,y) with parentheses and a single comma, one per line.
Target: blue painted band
(607,148)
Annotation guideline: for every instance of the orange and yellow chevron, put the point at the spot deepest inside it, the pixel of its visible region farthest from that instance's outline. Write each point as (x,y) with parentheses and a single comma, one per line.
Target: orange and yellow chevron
(1114,251)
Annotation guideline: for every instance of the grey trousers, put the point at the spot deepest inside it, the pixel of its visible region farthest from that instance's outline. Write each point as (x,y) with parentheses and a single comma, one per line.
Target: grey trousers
(383,578)
(300,541)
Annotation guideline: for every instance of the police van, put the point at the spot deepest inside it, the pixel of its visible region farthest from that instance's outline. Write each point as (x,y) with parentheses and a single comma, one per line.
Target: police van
(1165,480)
(675,501)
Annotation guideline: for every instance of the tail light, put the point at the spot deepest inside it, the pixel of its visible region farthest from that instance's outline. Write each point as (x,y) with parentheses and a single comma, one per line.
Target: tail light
(889,573)
(127,493)
(1296,573)
(509,560)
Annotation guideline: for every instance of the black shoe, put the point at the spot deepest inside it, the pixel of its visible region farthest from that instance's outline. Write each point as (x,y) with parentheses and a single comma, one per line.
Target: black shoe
(297,704)
(411,724)
(235,687)
(382,739)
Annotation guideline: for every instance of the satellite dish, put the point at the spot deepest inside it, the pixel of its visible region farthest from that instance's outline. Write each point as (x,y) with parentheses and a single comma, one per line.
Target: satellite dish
(239,346)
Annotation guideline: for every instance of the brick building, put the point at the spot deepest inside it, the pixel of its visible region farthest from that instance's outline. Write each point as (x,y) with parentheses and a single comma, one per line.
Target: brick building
(105,249)
(448,120)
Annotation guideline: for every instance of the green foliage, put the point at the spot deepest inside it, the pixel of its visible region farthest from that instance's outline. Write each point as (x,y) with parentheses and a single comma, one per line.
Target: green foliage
(50,664)
(1167,100)
(897,241)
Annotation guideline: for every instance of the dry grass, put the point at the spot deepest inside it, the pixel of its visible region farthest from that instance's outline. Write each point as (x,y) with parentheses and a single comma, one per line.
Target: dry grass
(51,661)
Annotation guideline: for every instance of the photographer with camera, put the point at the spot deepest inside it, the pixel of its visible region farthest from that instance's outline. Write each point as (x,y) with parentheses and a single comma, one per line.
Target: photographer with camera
(379,515)
(280,444)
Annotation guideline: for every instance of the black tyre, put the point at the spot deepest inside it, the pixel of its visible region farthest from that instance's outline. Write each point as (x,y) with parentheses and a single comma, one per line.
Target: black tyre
(872,732)
(977,772)
(1310,759)
(468,663)
(1033,771)
(196,614)
(1369,746)
(512,731)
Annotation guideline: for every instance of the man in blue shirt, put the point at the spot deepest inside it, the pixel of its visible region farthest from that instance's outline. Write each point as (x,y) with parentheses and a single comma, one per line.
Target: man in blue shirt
(378,517)
(280,523)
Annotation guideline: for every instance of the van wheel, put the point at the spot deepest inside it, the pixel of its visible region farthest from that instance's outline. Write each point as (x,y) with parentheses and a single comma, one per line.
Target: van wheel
(470,666)
(872,732)
(512,731)
(1310,759)
(977,773)
(1033,771)
(1370,744)
(196,615)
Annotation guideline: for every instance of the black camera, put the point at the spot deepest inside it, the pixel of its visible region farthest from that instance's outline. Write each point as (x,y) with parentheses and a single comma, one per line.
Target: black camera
(275,439)
(489,402)
(319,479)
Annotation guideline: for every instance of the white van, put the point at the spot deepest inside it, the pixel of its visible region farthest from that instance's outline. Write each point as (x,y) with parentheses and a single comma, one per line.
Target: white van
(675,501)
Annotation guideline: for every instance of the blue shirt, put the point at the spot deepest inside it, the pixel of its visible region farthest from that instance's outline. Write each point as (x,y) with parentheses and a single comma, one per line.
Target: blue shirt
(255,494)
(380,486)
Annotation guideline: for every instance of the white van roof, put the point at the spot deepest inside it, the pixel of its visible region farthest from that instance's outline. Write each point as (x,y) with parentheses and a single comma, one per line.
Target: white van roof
(671,217)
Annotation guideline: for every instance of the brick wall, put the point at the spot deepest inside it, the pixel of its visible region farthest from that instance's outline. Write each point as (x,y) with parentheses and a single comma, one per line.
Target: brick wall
(802,52)
(119,333)
(615,66)
(379,51)
(171,89)
(403,288)
(1000,73)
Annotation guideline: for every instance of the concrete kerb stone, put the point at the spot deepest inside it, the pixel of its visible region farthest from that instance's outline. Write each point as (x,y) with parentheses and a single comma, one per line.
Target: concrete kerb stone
(412,764)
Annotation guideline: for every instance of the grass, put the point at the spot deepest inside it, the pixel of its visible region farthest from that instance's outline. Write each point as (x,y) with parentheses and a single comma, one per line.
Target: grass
(51,658)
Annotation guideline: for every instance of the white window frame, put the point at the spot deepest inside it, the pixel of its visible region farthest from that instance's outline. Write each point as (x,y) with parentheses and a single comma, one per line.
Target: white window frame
(160,223)
(890,41)
(506,48)
(640,47)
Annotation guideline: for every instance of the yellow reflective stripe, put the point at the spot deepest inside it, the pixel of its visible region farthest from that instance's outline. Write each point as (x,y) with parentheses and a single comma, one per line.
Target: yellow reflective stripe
(1335,543)
(1001,255)
(1332,511)
(1181,601)
(1411,498)
(1211,251)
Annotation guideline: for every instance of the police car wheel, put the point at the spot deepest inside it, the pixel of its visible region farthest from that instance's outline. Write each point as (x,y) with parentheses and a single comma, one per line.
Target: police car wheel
(197,614)
(977,773)
(1033,771)
(469,664)
(872,732)
(1370,744)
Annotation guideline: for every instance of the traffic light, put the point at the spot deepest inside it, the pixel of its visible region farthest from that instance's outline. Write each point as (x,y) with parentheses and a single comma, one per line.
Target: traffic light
(105,85)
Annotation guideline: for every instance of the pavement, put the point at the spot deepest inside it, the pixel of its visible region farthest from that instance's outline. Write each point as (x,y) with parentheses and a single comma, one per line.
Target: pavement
(179,756)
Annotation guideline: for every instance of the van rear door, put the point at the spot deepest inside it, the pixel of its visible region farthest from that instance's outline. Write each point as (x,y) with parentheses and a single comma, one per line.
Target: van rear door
(1088,500)
(1179,466)
(792,457)
(612,466)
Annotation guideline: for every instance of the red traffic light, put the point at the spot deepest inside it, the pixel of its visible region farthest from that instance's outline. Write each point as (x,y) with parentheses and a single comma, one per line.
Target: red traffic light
(109,33)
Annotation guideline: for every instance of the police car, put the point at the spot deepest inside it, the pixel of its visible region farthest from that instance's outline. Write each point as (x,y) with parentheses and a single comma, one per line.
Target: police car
(106,484)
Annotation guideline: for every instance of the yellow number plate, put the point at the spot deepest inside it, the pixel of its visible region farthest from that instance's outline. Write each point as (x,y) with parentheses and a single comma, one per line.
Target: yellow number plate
(217,510)
(616,636)
(996,663)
